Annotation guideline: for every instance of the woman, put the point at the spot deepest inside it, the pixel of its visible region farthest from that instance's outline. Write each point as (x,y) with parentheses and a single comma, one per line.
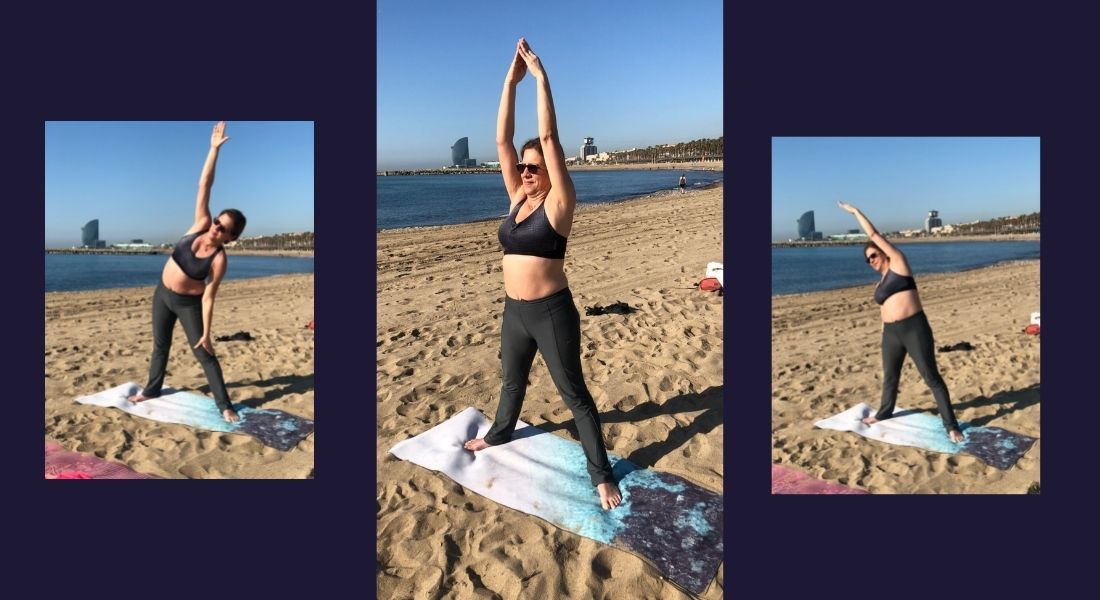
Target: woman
(189,284)
(539,314)
(905,328)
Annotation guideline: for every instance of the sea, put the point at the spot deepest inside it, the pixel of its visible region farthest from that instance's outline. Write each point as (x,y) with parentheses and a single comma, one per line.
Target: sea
(811,269)
(421,200)
(78,272)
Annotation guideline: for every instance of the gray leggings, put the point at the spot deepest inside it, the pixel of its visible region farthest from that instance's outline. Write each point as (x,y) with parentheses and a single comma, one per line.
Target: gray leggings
(912,335)
(551,326)
(167,307)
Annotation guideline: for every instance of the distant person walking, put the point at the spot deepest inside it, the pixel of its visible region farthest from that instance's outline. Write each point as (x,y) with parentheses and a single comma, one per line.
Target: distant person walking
(683,182)
(905,328)
(539,313)
(188,285)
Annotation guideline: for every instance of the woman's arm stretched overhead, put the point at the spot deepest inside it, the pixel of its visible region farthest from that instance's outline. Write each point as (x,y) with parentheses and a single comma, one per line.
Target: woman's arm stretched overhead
(897,258)
(506,129)
(563,195)
(206,180)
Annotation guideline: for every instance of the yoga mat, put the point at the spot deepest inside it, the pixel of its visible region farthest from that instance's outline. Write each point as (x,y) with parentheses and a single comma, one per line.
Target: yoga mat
(63,464)
(786,480)
(666,520)
(992,445)
(274,428)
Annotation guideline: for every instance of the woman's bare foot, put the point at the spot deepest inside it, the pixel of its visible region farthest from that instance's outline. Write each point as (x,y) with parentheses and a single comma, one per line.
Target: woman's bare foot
(870,421)
(610,497)
(138,397)
(956,436)
(230,415)
(475,445)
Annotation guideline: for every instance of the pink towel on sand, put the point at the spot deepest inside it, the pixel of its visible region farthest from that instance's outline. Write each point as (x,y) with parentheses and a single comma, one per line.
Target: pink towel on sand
(63,464)
(789,481)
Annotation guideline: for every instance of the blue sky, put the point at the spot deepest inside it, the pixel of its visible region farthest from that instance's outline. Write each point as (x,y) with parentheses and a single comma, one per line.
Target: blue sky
(896,181)
(140,178)
(629,74)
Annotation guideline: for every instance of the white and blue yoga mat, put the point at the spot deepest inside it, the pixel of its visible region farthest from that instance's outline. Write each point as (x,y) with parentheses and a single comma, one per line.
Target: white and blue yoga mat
(673,524)
(274,428)
(992,445)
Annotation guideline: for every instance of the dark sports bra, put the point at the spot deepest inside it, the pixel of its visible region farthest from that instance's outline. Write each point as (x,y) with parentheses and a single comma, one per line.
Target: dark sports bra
(892,284)
(193,266)
(533,237)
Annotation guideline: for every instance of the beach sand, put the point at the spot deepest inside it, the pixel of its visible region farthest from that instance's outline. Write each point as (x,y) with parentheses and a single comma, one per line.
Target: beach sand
(826,358)
(656,376)
(99,339)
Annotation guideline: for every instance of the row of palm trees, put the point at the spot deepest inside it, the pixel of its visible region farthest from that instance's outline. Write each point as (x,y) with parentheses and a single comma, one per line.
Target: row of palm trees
(704,149)
(279,241)
(1018,224)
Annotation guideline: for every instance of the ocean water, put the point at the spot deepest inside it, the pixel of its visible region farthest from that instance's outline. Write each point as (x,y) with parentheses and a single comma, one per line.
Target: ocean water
(799,270)
(419,200)
(77,272)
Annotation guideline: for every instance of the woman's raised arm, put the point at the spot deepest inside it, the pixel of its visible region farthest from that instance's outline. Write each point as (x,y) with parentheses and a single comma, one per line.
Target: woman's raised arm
(206,180)
(506,128)
(563,191)
(891,251)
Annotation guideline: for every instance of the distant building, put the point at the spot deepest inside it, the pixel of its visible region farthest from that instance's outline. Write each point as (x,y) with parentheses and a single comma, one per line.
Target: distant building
(89,234)
(932,220)
(587,149)
(806,229)
(851,236)
(460,154)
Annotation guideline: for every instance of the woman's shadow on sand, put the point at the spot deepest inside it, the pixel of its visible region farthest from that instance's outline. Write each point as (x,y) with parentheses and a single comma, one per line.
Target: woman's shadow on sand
(274,388)
(1006,402)
(709,401)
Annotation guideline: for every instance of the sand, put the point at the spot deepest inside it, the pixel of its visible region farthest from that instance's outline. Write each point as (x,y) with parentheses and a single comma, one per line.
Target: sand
(99,339)
(656,376)
(826,358)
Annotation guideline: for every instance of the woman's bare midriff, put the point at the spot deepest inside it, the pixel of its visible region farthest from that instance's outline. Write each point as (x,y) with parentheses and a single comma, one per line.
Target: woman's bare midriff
(900,306)
(176,280)
(533,277)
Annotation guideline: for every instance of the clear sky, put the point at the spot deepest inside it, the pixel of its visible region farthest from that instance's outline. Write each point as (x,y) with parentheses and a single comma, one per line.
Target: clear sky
(140,179)
(627,73)
(896,181)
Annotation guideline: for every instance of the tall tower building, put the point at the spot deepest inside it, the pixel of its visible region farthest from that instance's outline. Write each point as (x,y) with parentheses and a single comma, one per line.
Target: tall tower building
(932,220)
(460,152)
(89,234)
(806,226)
(586,150)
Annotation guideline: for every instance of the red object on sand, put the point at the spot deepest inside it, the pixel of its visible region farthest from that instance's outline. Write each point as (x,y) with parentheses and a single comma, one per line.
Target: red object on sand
(311,324)
(73,475)
(710,284)
(1032,330)
(63,464)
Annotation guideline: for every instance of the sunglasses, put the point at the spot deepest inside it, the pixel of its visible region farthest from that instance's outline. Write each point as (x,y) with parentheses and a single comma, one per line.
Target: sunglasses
(533,168)
(218,226)
(870,256)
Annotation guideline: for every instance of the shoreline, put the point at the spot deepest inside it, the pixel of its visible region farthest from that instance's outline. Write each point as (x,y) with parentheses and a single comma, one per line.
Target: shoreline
(1011,261)
(168,252)
(227,281)
(993,237)
(709,165)
(581,208)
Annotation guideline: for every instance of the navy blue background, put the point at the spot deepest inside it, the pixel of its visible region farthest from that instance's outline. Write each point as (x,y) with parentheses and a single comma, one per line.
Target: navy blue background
(821,69)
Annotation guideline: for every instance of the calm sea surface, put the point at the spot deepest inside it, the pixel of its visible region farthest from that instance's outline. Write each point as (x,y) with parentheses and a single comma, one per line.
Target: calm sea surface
(74,272)
(418,200)
(798,270)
